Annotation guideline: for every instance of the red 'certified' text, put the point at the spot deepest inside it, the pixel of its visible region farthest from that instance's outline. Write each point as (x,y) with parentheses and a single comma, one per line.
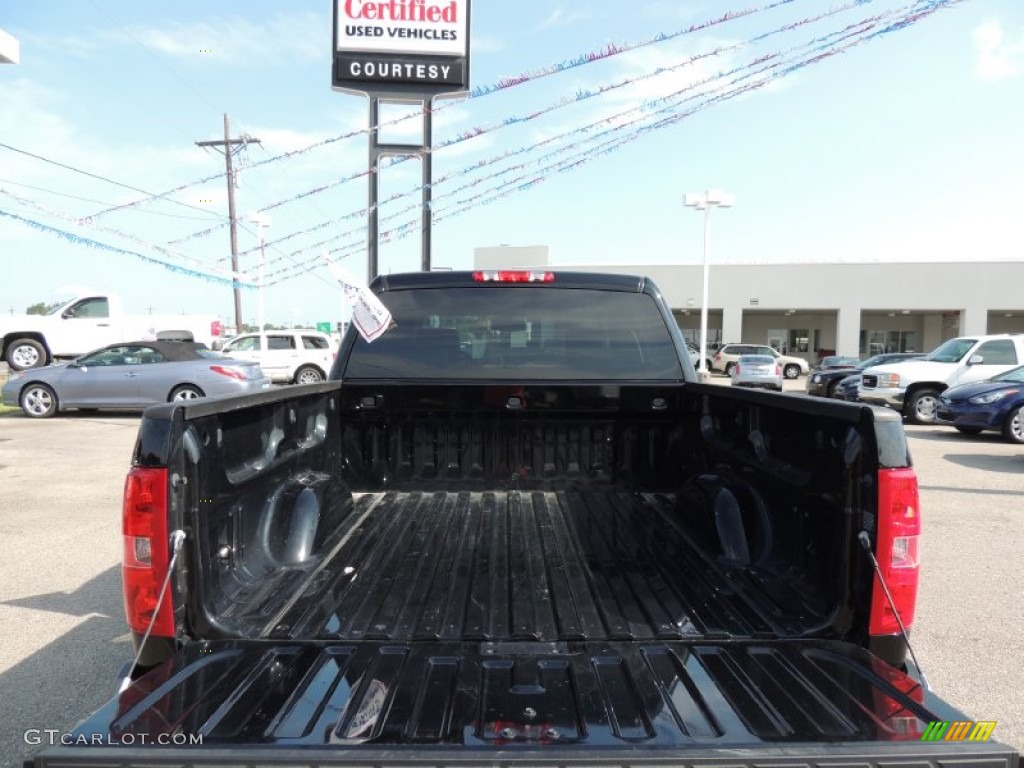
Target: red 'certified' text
(402,10)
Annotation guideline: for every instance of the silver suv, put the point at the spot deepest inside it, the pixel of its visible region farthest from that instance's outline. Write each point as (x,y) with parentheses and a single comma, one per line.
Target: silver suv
(295,356)
(725,359)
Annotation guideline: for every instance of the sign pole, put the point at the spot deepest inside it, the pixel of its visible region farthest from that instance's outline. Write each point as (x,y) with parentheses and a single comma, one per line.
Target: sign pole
(373,244)
(401,53)
(426,162)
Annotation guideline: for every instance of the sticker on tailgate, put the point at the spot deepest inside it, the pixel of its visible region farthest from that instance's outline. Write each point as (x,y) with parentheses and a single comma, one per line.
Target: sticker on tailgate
(965,730)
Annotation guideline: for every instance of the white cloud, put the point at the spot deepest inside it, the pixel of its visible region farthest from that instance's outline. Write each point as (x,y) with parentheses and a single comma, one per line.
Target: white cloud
(486,44)
(74,289)
(234,40)
(997,58)
(667,10)
(563,18)
(81,46)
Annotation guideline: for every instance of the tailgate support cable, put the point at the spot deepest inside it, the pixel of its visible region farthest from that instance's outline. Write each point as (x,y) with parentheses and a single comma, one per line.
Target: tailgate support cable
(177,539)
(865,542)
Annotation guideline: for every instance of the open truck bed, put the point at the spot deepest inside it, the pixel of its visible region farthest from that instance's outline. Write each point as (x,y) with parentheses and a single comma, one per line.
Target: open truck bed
(507,626)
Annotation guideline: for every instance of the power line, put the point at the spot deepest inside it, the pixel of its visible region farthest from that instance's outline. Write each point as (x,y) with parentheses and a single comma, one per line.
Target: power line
(96,176)
(96,202)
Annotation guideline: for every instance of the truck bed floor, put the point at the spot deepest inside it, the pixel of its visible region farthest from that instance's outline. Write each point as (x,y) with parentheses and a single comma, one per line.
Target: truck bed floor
(522,565)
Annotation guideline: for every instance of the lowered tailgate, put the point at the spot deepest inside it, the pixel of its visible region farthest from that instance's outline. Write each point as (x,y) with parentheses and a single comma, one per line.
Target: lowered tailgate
(771,703)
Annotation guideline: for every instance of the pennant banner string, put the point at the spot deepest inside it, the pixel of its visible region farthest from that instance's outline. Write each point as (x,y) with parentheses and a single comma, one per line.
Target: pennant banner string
(861,34)
(587,58)
(96,244)
(580,96)
(480,92)
(575,143)
(132,238)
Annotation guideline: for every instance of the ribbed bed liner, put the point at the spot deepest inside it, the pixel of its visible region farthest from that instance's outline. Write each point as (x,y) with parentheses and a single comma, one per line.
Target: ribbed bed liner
(521,565)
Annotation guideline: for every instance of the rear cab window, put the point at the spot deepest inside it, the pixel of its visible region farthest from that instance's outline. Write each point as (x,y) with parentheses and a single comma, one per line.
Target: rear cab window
(524,333)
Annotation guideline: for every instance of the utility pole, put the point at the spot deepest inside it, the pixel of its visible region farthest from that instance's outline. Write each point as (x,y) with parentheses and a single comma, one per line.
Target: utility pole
(229,147)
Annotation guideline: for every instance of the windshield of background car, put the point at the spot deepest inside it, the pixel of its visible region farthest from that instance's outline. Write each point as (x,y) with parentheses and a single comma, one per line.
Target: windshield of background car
(210,354)
(519,333)
(951,351)
(757,359)
(1015,374)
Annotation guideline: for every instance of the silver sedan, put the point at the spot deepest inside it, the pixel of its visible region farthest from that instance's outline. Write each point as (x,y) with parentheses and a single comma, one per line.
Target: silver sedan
(757,371)
(132,376)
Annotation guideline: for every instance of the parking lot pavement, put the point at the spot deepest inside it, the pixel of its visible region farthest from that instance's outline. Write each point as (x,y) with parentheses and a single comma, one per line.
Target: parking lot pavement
(969,634)
(62,619)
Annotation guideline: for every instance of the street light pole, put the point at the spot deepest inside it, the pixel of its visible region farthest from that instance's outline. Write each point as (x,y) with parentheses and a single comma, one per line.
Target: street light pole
(705,201)
(261,220)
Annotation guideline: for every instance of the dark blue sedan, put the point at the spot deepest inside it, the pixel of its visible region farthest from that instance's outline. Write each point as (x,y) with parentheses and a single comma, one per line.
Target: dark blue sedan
(996,404)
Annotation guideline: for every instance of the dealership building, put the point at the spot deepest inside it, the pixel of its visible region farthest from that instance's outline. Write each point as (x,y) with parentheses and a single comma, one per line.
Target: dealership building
(819,308)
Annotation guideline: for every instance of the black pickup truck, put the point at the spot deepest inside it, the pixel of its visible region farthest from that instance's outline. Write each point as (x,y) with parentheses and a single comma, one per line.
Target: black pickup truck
(515,531)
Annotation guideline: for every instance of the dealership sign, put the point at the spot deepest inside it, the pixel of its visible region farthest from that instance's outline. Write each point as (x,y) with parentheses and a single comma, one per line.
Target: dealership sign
(402,46)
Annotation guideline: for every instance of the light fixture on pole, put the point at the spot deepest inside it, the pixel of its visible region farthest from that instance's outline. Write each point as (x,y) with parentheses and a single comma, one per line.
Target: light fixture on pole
(705,201)
(261,220)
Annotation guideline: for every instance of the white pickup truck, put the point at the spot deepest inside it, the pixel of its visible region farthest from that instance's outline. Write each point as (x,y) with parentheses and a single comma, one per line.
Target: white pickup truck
(86,323)
(913,387)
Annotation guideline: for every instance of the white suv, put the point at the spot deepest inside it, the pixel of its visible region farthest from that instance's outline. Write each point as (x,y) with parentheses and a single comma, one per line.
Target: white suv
(725,359)
(913,387)
(296,356)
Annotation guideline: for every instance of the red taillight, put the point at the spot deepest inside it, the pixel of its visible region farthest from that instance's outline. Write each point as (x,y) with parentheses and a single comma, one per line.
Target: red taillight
(778,370)
(514,276)
(216,328)
(899,534)
(231,373)
(146,551)
(736,369)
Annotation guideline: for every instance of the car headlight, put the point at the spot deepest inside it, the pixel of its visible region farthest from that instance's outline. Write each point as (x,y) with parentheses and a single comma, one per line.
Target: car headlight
(15,376)
(889,380)
(815,378)
(992,397)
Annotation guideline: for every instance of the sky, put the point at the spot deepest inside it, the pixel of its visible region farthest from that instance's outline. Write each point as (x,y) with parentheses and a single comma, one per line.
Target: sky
(865,130)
